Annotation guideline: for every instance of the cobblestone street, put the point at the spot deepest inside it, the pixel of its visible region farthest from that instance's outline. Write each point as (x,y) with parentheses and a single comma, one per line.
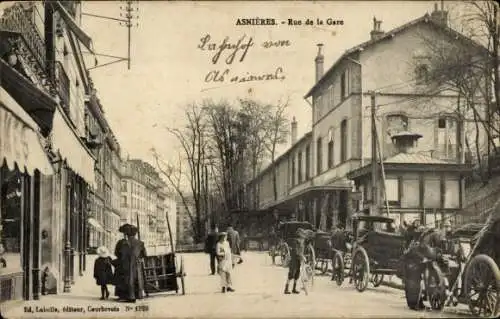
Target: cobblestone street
(258,293)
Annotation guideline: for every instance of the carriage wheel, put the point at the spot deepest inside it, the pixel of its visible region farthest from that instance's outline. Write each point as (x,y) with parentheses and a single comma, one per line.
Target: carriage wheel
(412,286)
(324,266)
(338,268)
(360,269)
(482,287)
(377,279)
(435,288)
(182,274)
(310,256)
(285,255)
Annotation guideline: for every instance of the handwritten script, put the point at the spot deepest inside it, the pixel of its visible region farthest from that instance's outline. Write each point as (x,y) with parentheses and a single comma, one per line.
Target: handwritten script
(230,51)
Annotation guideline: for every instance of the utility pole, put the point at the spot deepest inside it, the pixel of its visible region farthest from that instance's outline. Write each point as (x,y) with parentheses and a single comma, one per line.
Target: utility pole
(126,20)
(128,23)
(375,180)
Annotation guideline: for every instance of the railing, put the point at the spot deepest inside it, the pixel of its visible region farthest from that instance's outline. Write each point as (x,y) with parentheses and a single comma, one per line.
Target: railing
(18,19)
(62,82)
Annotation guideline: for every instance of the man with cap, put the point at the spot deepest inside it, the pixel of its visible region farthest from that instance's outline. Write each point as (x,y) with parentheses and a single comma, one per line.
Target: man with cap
(296,258)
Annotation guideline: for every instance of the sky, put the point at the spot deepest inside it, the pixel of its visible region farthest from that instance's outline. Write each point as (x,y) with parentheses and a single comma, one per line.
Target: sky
(168,70)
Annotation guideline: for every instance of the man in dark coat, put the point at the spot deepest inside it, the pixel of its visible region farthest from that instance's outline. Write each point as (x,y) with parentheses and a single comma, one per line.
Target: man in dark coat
(210,244)
(297,257)
(129,253)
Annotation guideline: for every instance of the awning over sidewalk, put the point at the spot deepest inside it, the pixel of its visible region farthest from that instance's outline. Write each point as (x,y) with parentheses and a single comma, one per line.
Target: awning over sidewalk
(72,149)
(73,26)
(19,140)
(94,223)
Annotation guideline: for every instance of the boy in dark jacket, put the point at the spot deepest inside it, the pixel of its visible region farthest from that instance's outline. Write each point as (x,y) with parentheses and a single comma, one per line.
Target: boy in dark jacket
(103,271)
(297,257)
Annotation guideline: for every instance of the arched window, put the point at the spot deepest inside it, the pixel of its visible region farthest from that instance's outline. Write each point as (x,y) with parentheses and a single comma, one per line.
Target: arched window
(343,140)
(421,74)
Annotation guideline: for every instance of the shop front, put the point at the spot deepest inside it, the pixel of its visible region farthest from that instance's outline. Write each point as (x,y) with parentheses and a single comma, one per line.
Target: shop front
(73,182)
(23,165)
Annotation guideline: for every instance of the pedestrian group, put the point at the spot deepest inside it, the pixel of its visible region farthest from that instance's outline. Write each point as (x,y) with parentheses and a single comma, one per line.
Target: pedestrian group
(127,275)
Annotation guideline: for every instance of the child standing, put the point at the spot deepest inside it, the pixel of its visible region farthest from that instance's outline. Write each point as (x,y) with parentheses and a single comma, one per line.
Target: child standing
(103,271)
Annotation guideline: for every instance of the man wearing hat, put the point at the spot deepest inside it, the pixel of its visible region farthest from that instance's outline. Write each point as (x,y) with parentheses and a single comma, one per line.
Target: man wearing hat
(297,256)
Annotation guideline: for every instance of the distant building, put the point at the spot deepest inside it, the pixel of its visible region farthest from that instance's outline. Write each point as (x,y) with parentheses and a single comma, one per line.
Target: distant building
(325,176)
(143,203)
(184,223)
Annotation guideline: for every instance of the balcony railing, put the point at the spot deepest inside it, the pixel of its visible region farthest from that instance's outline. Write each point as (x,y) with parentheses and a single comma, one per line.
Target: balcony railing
(18,19)
(62,82)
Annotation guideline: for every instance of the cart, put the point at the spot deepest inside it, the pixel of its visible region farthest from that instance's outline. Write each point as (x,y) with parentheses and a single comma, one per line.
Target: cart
(163,273)
(375,251)
(467,275)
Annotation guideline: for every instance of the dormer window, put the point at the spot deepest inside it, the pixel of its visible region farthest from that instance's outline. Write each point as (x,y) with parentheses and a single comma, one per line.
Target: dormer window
(422,74)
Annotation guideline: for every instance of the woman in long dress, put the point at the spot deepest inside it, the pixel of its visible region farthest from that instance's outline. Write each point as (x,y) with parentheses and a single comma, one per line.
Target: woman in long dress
(225,263)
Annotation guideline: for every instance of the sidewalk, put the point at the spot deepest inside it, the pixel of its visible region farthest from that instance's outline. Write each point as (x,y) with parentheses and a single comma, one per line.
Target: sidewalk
(84,289)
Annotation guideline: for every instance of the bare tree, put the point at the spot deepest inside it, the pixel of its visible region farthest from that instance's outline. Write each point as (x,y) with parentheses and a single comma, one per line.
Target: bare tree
(467,64)
(276,126)
(193,140)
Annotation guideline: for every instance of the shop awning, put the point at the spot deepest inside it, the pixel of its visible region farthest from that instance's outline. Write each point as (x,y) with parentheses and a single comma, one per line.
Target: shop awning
(19,138)
(73,26)
(72,148)
(94,223)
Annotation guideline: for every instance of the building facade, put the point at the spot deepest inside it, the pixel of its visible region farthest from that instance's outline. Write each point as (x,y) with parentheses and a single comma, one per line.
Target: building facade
(321,188)
(143,203)
(42,43)
(104,213)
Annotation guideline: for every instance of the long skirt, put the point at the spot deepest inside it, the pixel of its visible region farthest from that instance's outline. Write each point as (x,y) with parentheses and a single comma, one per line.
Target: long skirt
(225,279)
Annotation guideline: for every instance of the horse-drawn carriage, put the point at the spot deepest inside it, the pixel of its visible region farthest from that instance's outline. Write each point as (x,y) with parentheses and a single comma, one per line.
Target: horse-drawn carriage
(373,251)
(286,232)
(465,270)
(323,250)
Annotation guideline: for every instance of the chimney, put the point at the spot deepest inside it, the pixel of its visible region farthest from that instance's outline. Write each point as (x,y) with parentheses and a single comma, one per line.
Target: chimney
(405,141)
(294,131)
(319,63)
(376,33)
(440,16)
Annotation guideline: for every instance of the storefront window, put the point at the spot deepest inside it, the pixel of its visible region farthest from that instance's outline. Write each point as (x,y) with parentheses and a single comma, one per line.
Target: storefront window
(10,221)
(411,192)
(432,192)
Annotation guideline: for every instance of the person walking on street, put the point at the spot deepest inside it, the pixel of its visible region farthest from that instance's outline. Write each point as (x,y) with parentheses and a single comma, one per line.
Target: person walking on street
(233,237)
(210,244)
(103,272)
(297,257)
(129,253)
(225,263)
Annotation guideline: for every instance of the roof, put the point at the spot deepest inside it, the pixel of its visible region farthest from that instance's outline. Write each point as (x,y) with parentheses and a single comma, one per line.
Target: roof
(389,34)
(411,162)
(282,156)
(381,219)
(414,158)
